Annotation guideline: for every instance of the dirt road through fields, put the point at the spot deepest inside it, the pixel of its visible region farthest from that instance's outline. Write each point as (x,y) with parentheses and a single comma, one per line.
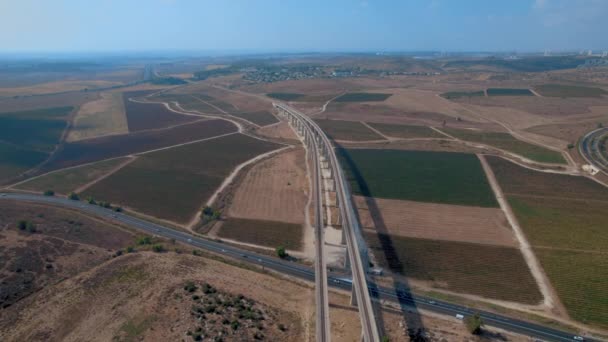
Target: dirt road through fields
(551,300)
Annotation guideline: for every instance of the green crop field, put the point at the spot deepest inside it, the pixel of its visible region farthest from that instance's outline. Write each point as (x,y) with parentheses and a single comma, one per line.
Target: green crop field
(581,280)
(561,90)
(509,92)
(28,137)
(495,272)
(439,177)
(260,118)
(347,130)
(516,180)
(363,97)
(506,141)
(564,217)
(164,185)
(406,131)
(562,223)
(265,233)
(458,94)
(285,96)
(66,181)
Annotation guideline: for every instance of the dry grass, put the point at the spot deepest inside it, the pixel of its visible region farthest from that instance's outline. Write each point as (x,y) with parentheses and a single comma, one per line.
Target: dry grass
(56,87)
(275,189)
(436,221)
(100,117)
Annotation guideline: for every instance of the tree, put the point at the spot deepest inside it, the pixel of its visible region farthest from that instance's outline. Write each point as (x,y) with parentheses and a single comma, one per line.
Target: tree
(118,209)
(281,252)
(207,211)
(570,146)
(30,227)
(91,200)
(158,248)
(49,193)
(144,240)
(474,324)
(74,196)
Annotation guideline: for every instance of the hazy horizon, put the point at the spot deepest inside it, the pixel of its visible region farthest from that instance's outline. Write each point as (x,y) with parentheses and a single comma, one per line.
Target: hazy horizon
(295,26)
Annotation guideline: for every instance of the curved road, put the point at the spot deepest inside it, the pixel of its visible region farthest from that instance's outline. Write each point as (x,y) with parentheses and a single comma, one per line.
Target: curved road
(590,150)
(297,270)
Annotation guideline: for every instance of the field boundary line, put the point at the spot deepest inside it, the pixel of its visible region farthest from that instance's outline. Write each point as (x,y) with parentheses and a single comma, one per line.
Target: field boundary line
(129,160)
(550,299)
(569,160)
(230,178)
(518,194)
(183,144)
(376,131)
(222,111)
(484,146)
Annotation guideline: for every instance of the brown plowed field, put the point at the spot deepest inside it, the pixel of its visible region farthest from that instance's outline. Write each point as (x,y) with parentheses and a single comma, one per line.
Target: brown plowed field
(92,150)
(437,221)
(382,113)
(274,189)
(281,130)
(143,116)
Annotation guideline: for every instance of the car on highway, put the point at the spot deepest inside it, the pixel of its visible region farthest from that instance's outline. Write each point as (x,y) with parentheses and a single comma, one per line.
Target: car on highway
(459,316)
(578,338)
(189,240)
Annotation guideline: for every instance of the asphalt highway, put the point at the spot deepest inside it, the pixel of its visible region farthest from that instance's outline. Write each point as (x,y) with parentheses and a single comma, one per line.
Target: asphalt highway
(300,271)
(590,150)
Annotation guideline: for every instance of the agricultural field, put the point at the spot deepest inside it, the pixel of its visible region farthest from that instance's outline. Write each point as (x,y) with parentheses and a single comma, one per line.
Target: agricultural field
(438,177)
(145,116)
(562,90)
(44,128)
(274,189)
(92,150)
(161,184)
(509,92)
(435,221)
(15,160)
(495,272)
(564,218)
(260,118)
(285,96)
(347,130)
(406,131)
(28,138)
(103,116)
(517,180)
(363,97)
(506,141)
(66,181)
(265,233)
(450,95)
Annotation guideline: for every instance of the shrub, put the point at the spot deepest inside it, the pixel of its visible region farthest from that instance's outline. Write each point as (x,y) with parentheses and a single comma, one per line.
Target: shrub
(474,324)
(22,224)
(281,252)
(158,248)
(570,146)
(144,240)
(235,325)
(49,193)
(130,249)
(30,227)
(91,200)
(74,196)
(189,286)
(118,209)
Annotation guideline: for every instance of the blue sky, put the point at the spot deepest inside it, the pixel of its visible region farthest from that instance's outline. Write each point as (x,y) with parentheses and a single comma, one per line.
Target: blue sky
(303,25)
